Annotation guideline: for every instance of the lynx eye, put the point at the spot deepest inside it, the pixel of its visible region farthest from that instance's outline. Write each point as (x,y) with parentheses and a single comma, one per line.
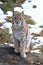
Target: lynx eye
(15,18)
(20,18)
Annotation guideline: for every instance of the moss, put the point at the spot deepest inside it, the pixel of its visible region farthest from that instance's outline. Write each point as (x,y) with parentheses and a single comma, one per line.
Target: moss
(41,26)
(30,21)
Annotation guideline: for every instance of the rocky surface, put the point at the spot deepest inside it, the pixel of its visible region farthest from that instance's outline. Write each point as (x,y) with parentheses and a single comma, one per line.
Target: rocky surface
(9,57)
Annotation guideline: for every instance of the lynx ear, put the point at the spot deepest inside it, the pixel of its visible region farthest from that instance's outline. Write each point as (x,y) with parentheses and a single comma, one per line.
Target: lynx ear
(22,13)
(14,12)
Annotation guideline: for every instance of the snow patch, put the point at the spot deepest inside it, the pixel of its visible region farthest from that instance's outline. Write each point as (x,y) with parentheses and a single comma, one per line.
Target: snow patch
(1,12)
(35,51)
(8,25)
(19,9)
(9,13)
(35,30)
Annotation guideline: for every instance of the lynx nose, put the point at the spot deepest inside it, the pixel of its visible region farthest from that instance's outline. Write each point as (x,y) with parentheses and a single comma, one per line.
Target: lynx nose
(17,22)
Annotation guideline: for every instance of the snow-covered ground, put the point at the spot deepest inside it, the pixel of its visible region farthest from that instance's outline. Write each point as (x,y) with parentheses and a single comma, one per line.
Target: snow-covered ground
(36,51)
(35,30)
(2,19)
(35,13)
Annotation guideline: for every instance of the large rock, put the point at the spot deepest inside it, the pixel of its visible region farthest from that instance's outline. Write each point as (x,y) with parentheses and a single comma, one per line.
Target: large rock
(9,57)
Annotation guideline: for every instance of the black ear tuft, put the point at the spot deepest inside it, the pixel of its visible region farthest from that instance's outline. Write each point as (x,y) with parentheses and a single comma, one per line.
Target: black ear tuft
(14,13)
(22,13)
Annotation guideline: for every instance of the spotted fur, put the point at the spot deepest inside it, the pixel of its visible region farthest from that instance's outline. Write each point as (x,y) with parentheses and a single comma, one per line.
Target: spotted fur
(20,32)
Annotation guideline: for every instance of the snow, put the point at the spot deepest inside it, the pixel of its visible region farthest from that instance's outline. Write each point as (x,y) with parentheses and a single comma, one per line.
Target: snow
(6,43)
(9,13)
(2,20)
(8,25)
(1,12)
(35,13)
(38,42)
(35,51)
(1,2)
(37,45)
(3,16)
(9,44)
(19,9)
(35,30)
(40,38)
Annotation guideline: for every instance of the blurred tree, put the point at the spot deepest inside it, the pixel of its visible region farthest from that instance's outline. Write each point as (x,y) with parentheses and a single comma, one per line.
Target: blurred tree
(19,2)
(9,4)
(8,1)
(3,0)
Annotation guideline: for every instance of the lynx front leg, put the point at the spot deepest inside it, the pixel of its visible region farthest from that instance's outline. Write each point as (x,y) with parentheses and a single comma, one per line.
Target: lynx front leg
(22,46)
(16,45)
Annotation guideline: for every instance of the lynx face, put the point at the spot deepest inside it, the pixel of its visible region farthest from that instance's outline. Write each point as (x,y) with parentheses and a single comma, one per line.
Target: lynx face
(17,18)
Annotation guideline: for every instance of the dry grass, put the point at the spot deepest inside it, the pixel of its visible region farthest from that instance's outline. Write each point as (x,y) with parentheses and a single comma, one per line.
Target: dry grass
(35,34)
(29,20)
(41,26)
(41,48)
(9,19)
(41,33)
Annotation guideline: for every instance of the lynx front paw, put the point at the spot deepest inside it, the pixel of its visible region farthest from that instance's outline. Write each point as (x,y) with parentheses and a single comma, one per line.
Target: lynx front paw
(24,56)
(27,50)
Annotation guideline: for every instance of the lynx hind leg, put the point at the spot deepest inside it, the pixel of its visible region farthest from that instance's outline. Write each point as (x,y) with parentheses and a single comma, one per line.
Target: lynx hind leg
(31,46)
(16,45)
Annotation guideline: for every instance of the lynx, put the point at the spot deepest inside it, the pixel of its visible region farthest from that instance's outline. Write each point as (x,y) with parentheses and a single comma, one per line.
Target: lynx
(20,33)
